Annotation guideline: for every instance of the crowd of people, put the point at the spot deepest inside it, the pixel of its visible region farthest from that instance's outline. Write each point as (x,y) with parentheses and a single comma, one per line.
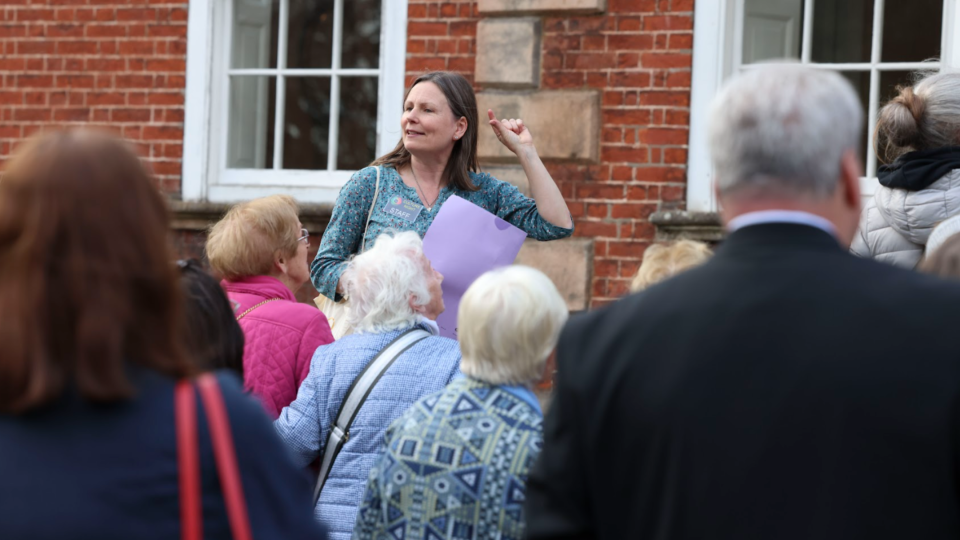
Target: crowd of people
(782,385)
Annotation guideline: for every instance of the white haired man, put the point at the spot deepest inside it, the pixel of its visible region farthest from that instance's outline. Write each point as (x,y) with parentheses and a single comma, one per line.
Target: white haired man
(745,399)
(395,294)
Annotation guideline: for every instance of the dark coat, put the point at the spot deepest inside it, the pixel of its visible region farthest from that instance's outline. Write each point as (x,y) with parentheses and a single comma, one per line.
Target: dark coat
(784,390)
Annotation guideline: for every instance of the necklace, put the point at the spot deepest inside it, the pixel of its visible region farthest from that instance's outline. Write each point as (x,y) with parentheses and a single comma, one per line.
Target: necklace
(422,193)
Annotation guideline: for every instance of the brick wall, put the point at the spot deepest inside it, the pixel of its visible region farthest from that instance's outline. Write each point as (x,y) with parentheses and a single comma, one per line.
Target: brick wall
(441,36)
(117,64)
(638,55)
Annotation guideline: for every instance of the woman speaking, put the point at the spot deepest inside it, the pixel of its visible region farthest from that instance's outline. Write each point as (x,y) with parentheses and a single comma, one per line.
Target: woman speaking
(436,158)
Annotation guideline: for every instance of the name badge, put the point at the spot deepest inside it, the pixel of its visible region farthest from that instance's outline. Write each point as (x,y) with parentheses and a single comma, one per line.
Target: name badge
(403,208)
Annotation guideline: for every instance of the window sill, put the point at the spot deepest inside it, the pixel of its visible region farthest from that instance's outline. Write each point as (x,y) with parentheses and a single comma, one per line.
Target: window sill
(200,216)
(680,225)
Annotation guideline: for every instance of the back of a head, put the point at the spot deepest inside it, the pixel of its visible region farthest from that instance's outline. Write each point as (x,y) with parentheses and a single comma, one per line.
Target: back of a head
(212,335)
(781,129)
(924,116)
(661,261)
(942,256)
(380,282)
(87,282)
(508,323)
(245,242)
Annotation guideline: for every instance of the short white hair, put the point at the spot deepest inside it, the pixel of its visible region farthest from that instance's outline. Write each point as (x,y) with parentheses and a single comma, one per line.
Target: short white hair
(782,129)
(380,282)
(508,324)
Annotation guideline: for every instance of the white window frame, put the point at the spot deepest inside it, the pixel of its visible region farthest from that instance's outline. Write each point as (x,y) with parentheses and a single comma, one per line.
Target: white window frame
(717,44)
(205,174)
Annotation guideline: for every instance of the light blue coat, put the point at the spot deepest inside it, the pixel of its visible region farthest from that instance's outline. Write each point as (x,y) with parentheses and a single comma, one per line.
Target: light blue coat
(304,425)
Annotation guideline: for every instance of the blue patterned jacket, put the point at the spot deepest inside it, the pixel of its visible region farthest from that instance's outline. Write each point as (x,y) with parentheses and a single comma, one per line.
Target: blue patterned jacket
(423,369)
(454,466)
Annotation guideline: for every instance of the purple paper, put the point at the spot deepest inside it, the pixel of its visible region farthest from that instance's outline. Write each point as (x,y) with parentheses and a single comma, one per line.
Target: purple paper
(463,242)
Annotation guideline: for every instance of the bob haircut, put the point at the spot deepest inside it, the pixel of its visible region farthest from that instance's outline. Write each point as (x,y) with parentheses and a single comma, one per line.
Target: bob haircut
(661,261)
(87,284)
(508,324)
(210,328)
(380,281)
(248,239)
(463,102)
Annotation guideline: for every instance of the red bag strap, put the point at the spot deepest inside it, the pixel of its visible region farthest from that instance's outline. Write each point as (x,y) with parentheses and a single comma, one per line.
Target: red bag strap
(188,457)
(225,456)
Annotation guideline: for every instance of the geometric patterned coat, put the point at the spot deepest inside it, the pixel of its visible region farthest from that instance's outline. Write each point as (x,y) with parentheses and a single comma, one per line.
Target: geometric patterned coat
(454,466)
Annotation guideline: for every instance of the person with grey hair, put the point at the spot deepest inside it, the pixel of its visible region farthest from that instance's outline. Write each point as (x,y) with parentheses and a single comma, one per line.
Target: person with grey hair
(918,139)
(740,399)
(474,441)
(396,296)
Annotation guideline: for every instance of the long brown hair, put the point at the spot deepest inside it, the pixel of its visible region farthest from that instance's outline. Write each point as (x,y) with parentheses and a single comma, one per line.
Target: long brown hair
(463,102)
(87,283)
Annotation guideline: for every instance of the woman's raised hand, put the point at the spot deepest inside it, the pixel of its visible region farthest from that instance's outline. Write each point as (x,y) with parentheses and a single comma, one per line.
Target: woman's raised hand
(511,133)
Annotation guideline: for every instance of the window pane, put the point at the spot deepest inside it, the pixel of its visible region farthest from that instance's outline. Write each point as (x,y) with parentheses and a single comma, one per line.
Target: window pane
(911,30)
(842,31)
(310,38)
(771,29)
(357,143)
(250,129)
(306,123)
(361,34)
(861,84)
(254,37)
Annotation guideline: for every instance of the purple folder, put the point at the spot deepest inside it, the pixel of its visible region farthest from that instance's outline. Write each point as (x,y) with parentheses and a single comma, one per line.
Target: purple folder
(463,242)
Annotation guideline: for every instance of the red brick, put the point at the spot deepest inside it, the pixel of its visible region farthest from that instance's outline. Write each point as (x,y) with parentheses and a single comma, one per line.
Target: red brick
(416,11)
(32,115)
(596,229)
(599,191)
(134,81)
(680,41)
(636,79)
(136,14)
(667,22)
(106,64)
(587,25)
(632,210)
(162,133)
(71,115)
(34,81)
(594,43)
(598,210)
(426,29)
(623,154)
(677,117)
(630,42)
(463,28)
(175,65)
(11,97)
(131,48)
(106,30)
(563,79)
(64,30)
(130,115)
(34,14)
(35,47)
(664,136)
(626,116)
(674,155)
(167,30)
(666,60)
(76,47)
(591,61)
(625,249)
(425,63)
(74,81)
(677,99)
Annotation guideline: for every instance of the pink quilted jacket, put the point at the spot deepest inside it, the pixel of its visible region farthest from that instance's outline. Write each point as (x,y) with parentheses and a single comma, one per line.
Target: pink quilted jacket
(281,337)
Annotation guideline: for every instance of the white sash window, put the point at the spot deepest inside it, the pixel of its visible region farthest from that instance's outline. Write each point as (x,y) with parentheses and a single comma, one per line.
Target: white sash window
(289,96)
(876,44)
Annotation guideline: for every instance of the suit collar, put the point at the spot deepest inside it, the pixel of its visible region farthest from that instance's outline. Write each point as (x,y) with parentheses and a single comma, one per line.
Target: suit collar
(778,237)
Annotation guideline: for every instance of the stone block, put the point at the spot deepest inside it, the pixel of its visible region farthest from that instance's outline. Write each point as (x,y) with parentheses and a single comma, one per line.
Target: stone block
(568,263)
(540,6)
(565,123)
(510,173)
(508,52)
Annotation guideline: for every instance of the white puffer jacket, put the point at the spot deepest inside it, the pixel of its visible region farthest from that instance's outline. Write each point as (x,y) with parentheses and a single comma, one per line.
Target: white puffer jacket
(896,223)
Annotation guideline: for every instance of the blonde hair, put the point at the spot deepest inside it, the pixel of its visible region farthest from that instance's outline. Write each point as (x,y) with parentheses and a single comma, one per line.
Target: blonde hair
(247,240)
(380,282)
(508,324)
(661,261)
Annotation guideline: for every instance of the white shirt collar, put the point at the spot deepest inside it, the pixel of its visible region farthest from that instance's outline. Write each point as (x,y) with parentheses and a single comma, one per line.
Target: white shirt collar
(782,216)
(431,326)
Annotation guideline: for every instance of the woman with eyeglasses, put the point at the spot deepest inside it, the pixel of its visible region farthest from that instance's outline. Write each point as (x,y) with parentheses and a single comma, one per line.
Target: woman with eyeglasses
(260,250)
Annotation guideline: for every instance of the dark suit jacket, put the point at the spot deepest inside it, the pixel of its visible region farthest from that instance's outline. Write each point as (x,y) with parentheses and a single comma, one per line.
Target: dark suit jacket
(784,390)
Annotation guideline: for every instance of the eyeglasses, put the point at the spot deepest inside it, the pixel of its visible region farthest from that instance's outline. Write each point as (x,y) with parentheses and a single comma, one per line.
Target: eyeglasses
(304,236)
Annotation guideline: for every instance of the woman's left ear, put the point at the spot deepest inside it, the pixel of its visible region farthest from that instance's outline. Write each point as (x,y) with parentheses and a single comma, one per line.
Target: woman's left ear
(280,263)
(461,128)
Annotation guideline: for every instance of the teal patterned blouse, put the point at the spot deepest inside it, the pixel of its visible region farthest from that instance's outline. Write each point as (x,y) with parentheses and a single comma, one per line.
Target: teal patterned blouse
(344,233)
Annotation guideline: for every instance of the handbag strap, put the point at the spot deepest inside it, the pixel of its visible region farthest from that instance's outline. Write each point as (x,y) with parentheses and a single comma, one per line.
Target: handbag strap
(267,301)
(357,393)
(376,193)
(188,458)
(188,454)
